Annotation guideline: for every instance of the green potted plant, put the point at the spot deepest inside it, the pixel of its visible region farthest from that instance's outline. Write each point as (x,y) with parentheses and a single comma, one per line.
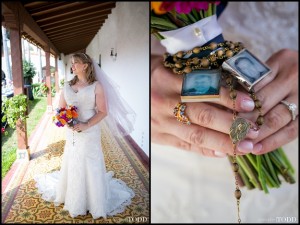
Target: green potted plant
(14,108)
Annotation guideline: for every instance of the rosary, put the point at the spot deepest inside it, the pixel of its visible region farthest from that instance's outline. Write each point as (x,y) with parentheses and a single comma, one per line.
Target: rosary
(221,56)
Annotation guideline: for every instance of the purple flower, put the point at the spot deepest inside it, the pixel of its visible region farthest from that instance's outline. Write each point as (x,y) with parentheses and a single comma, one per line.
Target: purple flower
(186,7)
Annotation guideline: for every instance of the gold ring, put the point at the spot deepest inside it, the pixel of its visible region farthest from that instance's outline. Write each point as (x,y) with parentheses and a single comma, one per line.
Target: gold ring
(179,113)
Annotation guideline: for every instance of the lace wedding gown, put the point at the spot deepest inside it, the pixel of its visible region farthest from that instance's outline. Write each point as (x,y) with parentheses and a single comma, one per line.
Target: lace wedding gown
(83,184)
(189,188)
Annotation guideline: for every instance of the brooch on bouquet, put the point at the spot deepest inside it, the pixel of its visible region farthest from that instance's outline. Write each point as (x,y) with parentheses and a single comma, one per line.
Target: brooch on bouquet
(197,51)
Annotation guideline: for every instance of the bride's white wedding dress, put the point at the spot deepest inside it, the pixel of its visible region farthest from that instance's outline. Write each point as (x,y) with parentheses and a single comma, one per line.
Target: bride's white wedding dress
(83,184)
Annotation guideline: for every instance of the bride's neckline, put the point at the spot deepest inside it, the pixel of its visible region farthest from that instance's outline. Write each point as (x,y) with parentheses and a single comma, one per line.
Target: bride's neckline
(76,91)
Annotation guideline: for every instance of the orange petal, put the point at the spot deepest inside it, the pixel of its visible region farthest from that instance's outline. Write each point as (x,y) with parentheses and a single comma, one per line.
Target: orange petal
(156,6)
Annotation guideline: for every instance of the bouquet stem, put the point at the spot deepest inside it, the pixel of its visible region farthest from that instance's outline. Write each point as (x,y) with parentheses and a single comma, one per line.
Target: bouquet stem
(261,171)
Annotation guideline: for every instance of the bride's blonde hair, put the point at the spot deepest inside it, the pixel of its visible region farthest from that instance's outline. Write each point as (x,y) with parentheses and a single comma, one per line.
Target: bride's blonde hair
(90,74)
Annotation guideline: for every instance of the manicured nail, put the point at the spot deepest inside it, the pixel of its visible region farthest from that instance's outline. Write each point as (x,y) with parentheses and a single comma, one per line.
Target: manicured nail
(245,146)
(247,104)
(257,148)
(253,133)
(220,154)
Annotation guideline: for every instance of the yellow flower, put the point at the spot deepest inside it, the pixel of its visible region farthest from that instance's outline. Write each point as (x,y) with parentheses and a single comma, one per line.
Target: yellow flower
(156,6)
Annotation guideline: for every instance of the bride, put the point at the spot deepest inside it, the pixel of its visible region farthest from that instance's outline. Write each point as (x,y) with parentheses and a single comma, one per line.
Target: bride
(83,184)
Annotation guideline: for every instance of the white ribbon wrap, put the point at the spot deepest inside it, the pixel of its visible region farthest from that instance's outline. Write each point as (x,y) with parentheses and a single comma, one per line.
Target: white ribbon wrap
(196,34)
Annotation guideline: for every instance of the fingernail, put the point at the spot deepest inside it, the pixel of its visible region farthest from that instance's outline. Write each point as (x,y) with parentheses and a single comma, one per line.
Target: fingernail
(253,134)
(220,154)
(247,104)
(245,146)
(257,148)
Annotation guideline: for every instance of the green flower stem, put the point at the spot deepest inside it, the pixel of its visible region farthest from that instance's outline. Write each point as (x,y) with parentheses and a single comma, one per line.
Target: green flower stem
(271,168)
(245,178)
(261,176)
(209,10)
(192,19)
(173,16)
(214,9)
(284,171)
(242,175)
(285,159)
(183,17)
(162,22)
(271,182)
(195,14)
(158,36)
(201,14)
(250,173)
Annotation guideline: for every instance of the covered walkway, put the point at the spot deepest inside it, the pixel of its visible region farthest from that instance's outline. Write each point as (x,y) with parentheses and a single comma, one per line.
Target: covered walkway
(22,204)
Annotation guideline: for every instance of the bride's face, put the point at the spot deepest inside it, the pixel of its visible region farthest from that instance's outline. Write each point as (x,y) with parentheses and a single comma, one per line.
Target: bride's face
(78,66)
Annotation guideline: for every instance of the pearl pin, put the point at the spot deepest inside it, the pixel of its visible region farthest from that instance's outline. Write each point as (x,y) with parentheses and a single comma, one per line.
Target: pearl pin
(197,32)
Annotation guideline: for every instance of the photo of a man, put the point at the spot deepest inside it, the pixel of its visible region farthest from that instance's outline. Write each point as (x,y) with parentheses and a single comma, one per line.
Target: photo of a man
(202,84)
(248,68)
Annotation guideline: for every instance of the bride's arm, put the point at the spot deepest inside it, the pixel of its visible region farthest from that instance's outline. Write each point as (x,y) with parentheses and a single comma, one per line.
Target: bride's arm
(62,102)
(100,105)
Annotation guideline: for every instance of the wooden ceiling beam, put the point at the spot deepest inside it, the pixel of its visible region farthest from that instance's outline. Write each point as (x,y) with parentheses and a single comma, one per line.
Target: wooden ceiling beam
(71,40)
(81,8)
(29,26)
(51,8)
(98,20)
(73,35)
(70,29)
(62,20)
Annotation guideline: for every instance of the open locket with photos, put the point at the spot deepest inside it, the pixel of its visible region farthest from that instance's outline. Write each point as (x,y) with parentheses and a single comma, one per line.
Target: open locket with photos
(201,85)
(247,68)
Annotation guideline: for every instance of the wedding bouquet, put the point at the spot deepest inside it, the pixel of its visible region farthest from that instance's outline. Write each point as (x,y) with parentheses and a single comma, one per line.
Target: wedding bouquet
(171,19)
(66,116)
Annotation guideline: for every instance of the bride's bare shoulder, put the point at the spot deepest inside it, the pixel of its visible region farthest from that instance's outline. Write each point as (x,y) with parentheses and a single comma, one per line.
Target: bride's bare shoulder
(98,88)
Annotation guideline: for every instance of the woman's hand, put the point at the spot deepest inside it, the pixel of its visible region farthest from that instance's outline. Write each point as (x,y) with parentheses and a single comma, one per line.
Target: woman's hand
(209,132)
(80,127)
(282,84)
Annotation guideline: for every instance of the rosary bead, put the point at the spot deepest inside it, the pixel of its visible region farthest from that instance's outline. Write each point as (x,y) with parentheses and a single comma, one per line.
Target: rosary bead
(233,94)
(260,120)
(187,69)
(229,53)
(196,61)
(235,167)
(175,70)
(220,52)
(175,59)
(179,54)
(178,65)
(229,80)
(213,58)
(196,50)
(257,104)
(213,45)
(204,62)
(238,193)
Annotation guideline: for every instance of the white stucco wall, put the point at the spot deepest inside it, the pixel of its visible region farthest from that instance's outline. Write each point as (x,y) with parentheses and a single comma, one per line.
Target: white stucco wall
(127,30)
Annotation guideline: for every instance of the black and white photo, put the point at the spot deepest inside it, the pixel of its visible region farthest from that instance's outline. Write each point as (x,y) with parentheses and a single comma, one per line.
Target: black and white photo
(248,69)
(201,85)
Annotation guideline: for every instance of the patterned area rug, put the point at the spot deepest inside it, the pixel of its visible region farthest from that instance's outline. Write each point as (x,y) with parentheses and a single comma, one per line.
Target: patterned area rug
(23,204)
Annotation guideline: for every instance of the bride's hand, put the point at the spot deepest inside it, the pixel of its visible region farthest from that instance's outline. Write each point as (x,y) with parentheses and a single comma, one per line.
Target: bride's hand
(80,127)
(210,123)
